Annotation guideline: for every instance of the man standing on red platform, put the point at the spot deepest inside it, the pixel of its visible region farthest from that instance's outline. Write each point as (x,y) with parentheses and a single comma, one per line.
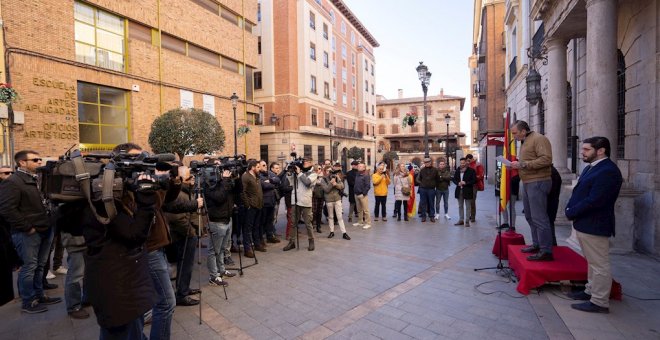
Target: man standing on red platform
(591,208)
(535,161)
(479,186)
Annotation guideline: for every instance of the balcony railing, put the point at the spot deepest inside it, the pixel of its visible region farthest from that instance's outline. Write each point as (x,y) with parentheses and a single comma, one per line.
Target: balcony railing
(350,133)
(513,68)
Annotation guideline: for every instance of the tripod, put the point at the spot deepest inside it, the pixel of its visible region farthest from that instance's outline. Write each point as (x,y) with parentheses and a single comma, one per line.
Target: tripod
(241,235)
(500,266)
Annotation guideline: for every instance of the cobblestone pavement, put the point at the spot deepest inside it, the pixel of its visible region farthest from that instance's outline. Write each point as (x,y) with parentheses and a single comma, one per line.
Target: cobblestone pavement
(397,280)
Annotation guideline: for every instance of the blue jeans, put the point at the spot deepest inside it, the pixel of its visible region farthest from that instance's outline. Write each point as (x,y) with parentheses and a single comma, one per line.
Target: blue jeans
(439,194)
(426,198)
(73,293)
(129,331)
(185,262)
(219,233)
(164,308)
(33,250)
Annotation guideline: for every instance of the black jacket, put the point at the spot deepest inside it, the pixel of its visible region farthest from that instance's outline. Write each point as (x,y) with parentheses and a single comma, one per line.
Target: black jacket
(269,186)
(178,214)
(285,188)
(117,278)
(428,178)
(470,179)
(362,184)
(21,204)
(220,201)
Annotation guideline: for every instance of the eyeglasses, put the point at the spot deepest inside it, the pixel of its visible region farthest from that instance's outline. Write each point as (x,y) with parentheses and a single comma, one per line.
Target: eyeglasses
(6,172)
(35,160)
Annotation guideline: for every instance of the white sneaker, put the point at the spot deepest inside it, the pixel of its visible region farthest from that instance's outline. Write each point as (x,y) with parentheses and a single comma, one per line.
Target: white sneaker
(366,226)
(447,216)
(357,224)
(50,275)
(61,270)
(437,216)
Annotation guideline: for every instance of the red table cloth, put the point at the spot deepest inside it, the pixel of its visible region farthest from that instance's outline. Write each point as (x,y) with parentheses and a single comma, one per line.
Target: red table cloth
(567,265)
(508,237)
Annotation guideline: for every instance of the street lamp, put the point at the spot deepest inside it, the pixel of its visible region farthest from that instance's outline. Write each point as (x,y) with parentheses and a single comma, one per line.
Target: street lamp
(425,77)
(329,124)
(374,152)
(234,103)
(447,120)
(533,79)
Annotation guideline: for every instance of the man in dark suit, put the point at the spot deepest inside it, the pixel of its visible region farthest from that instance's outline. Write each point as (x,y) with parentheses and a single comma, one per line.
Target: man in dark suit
(464,178)
(591,208)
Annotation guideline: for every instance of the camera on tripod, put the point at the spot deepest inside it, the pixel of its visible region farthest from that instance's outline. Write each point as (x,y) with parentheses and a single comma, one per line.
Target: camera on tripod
(295,162)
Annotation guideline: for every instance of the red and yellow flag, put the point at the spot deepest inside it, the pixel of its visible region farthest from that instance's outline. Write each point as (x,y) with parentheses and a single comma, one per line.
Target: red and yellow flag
(411,200)
(506,172)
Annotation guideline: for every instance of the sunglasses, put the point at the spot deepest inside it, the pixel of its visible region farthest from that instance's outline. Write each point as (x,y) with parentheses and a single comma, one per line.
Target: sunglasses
(6,172)
(35,160)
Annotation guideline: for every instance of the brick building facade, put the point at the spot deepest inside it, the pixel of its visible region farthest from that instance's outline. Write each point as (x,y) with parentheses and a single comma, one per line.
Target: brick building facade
(97,73)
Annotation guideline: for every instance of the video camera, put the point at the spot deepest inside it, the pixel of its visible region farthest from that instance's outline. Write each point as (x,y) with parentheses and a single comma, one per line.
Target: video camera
(210,172)
(61,180)
(295,162)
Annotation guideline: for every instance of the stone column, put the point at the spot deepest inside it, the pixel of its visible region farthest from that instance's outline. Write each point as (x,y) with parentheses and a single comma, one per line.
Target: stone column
(601,70)
(556,103)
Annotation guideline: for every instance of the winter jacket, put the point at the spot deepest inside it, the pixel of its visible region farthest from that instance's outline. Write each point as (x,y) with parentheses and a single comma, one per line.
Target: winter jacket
(252,194)
(220,201)
(535,156)
(404,181)
(269,186)
(381,182)
(428,177)
(178,214)
(445,179)
(306,182)
(470,179)
(21,204)
(362,184)
(332,192)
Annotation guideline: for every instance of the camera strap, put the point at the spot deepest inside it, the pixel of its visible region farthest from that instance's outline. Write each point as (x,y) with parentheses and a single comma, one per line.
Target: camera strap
(83,178)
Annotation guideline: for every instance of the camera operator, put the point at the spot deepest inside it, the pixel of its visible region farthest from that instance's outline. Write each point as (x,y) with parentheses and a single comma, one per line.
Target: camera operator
(333,184)
(117,273)
(220,203)
(25,210)
(306,179)
(269,185)
(253,202)
(179,216)
(284,190)
(158,238)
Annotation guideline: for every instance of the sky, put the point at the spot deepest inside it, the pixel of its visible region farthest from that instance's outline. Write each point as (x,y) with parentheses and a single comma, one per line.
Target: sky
(437,32)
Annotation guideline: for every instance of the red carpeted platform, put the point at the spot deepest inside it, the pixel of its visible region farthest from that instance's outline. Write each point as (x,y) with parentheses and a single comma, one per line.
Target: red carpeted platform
(508,237)
(568,265)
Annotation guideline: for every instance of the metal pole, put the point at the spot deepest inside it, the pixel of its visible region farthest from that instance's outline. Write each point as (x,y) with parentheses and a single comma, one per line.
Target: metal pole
(235,135)
(426,128)
(331,153)
(447,144)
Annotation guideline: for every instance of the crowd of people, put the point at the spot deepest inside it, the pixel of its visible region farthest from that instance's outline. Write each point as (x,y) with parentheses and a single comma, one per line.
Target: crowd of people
(121,268)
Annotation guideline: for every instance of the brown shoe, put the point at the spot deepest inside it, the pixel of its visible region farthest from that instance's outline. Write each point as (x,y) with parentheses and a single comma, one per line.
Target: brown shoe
(424,219)
(540,256)
(467,224)
(79,314)
(530,249)
(260,248)
(459,223)
(249,253)
(273,240)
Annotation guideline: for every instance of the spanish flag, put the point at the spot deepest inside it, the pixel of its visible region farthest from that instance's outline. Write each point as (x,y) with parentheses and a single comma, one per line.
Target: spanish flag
(507,173)
(412,205)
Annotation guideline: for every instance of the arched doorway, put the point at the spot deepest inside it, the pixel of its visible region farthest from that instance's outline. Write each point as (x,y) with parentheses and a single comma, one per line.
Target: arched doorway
(344,160)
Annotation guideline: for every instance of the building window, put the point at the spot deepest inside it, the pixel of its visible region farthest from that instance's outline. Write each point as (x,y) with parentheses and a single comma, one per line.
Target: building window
(366,65)
(259,12)
(354,104)
(326,90)
(312,51)
(326,59)
(369,156)
(621,107)
(395,128)
(315,118)
(307,151)
(257,80)
(366,107)
(343,51)
(366,129)
(344,100)
(259,45)
(352,38)
(395,113)
(372,69)
(343,28)
(313,84)
(263,152)
(354,81)
(381,114)
(326,119)
(100,37)
(332,16)
(353,59)
(321,153)
(102,115)
(312,20)
(381,129)
(343,74)
(373,130)
(372,89)
(325,31)
(373,110)
(334,44)
(366,85)
(230,16)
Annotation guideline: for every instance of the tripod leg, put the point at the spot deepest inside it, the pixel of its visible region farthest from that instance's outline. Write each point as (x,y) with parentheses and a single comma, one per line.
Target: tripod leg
(240,258)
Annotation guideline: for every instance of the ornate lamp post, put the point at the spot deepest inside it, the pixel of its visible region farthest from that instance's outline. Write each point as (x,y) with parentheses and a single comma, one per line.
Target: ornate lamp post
(447,120)
(234,103)
(533,77)
(425,78)
(374,152)
(332,156)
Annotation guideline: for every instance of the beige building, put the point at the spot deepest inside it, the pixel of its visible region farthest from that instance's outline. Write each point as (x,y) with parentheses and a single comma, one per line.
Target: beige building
(97,73)
(487,68)
(600,79)
(443,122)
(315,80)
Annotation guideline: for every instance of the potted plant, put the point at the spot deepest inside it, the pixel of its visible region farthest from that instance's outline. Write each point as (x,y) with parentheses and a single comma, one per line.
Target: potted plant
(8,94)
(409,119)
(242,130)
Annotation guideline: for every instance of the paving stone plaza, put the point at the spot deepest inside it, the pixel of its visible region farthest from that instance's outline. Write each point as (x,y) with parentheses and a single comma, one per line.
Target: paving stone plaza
(396,280)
